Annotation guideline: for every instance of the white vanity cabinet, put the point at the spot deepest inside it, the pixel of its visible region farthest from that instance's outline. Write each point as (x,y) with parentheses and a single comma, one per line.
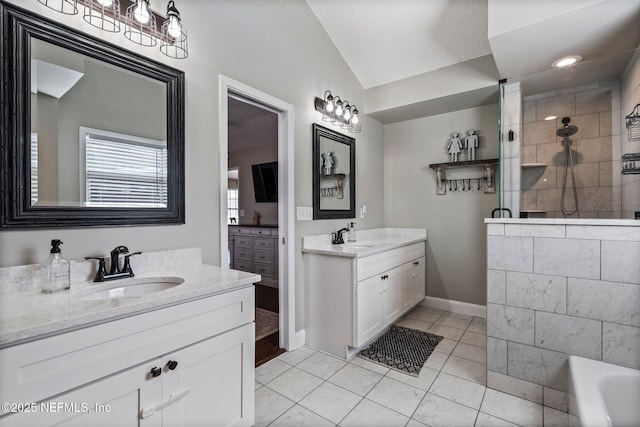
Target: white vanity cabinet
(352,299)
(379,303)
(413,279)
(187,364)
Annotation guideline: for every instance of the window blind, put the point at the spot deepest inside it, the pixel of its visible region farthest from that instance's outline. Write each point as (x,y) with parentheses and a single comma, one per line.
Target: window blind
(34,168)
(125,173)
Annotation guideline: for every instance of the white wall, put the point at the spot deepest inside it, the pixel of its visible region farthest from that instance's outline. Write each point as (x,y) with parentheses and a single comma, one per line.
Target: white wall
(278,47)
(243,159)
(456,247)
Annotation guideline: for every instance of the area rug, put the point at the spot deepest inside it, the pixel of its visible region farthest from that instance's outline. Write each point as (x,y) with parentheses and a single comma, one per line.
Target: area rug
(402,349)
(266,323)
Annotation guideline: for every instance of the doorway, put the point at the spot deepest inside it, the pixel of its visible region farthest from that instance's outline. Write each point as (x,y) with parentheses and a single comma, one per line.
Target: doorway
(278,214)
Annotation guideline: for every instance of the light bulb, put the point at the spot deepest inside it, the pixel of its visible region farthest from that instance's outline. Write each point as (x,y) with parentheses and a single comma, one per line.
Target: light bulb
(141,12)
(347,113)
(355,119)
(174,29)
(339,109)
(105,3)
(329,106)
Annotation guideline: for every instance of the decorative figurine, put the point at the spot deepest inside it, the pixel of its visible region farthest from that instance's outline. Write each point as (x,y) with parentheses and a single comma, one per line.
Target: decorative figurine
(454,147)
(327,163)
(471,143)
(256,218)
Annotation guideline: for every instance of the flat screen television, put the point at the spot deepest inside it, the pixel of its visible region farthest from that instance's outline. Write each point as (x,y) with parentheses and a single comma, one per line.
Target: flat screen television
(265,182)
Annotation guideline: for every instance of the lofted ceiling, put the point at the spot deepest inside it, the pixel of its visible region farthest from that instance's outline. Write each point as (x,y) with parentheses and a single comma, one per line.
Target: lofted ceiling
(389,40)
(397,48)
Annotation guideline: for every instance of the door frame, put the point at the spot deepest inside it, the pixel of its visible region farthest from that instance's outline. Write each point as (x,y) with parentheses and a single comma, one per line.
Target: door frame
(289,339)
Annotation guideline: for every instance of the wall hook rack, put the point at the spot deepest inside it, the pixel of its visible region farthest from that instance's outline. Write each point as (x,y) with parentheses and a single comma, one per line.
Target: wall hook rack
(632,123)
(465,184)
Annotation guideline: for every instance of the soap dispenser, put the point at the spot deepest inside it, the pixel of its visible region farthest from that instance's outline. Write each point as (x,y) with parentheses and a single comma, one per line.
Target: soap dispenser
(55,271)
(351,235)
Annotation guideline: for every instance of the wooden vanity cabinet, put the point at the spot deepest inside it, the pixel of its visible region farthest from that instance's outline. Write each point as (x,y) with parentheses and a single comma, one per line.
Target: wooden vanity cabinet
(185,365)
(255,250)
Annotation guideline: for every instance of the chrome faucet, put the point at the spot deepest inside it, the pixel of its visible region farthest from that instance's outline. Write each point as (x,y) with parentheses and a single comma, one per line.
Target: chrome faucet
(114,269)
(336,238)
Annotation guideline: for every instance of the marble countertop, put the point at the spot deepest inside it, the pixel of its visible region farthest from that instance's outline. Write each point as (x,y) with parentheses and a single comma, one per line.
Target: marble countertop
(31,314)
(564,221)
(368,242)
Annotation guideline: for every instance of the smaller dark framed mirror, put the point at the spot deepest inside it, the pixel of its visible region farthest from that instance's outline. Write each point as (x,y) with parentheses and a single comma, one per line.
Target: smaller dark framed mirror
(92,134)
(334,174)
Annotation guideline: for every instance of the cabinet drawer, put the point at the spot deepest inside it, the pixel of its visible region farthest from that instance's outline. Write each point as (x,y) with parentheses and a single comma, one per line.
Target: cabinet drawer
(242,266)
(263,269)
(242,254)
(374,264)
(263,257)
(36,370)
(261,231)
(240,230)
(242,241)
(263,243)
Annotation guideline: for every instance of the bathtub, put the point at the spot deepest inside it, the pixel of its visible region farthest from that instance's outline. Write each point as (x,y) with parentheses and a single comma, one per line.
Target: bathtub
(601,394)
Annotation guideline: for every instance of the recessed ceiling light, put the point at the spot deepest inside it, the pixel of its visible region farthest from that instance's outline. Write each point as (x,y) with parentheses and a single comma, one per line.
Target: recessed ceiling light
(551,117)
(566,61)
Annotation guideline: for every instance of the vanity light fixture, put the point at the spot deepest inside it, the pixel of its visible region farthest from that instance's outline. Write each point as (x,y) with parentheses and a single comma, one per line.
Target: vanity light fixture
(338,112)
(174,36)
(140,24)
(566,61)
(68,7)
(103,14)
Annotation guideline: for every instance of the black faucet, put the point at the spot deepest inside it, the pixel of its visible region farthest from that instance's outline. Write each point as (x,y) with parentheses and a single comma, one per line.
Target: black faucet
(336,238)
(114,268)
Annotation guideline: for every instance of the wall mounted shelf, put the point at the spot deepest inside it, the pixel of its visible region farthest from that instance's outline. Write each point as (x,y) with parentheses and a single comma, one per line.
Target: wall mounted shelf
(488,179)
(337,190)
(455,165)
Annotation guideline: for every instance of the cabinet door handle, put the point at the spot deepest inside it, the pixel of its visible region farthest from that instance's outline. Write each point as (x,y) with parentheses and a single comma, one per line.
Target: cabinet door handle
(416,262)
(150,410)
(155,372)
(172,364)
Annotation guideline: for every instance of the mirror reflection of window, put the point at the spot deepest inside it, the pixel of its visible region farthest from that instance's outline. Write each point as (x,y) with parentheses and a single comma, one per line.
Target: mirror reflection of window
(34,168)
(233,205)
(123,170)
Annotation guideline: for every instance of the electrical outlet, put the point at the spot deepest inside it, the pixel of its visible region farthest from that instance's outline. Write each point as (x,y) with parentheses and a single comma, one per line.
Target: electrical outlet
(363,210)
(241,212)
(304,213)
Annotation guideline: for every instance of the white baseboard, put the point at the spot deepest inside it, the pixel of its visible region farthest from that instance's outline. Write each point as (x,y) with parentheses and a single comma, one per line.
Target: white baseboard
(296,340)
(455,306)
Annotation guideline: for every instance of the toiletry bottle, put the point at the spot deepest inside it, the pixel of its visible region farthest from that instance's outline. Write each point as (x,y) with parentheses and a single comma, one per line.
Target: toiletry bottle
(55,271)
(351,235)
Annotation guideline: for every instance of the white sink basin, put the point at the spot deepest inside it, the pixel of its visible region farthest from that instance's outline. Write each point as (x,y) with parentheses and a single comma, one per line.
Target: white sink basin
(134,287)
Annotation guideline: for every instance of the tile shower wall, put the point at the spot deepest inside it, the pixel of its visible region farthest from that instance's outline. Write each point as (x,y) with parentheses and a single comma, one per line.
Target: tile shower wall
(596,148)
(630,98)
(554,290)
(511,119)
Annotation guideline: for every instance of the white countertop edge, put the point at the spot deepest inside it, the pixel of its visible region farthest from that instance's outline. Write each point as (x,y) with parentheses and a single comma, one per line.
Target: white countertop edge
(565,221)
(379,240)
(21,330)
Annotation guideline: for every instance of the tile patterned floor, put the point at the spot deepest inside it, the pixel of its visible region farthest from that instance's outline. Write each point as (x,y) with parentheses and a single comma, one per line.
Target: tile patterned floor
(309,388)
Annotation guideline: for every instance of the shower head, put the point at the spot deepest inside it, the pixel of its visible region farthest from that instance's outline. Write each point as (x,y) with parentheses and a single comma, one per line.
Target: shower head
(566,130)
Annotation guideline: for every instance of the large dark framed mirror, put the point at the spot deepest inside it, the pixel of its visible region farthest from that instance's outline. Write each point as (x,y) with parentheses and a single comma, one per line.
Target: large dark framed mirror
(92,134)
(334,174)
